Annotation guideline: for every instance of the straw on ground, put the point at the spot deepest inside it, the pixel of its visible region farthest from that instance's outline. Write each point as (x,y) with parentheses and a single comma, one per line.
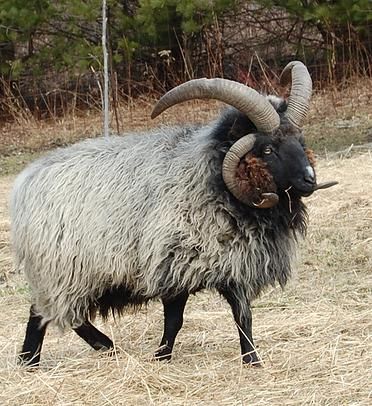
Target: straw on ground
(315,337)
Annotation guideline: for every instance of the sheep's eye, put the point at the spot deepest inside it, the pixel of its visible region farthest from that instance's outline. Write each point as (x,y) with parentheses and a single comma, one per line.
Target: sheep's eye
(268,150)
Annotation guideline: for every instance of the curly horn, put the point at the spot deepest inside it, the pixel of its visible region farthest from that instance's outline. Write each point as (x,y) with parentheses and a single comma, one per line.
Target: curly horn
(301,89)
(247,100)
(229,166)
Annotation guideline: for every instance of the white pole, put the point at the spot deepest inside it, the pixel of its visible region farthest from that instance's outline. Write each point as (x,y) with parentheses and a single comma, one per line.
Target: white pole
(105,72)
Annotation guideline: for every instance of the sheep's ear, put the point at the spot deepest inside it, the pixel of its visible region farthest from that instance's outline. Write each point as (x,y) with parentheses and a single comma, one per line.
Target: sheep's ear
(247,177)
(310,156)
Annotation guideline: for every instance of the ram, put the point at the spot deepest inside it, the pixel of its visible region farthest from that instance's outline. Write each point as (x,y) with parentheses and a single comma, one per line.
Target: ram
(118,221)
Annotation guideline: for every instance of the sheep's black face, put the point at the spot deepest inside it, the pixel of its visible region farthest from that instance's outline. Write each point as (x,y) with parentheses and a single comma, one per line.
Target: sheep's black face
(287,162)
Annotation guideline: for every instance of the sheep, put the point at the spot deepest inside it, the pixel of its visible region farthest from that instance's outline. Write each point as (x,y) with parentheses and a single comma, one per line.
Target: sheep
(118,221)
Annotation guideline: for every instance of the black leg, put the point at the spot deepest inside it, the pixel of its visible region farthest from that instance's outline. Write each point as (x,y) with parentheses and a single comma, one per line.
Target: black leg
(244,324)
(173,320)
(35,333)
(94,337)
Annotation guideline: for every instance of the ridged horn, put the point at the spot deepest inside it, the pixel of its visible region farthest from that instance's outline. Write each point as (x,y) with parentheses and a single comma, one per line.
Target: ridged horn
(229,166)
(268,201)
(247,100)
(325,185)
(301,89)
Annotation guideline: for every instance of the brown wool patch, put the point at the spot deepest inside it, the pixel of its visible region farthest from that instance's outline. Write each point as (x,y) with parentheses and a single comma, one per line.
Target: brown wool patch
(254,178)
(310,156)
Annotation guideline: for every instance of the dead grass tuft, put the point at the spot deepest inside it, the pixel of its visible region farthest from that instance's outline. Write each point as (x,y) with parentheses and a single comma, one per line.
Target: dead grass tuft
(340,117)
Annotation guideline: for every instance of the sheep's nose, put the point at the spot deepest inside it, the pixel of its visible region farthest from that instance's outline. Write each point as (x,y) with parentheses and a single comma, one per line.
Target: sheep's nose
(309,175)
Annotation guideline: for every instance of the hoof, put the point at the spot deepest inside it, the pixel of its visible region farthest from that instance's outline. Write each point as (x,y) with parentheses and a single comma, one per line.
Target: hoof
(102,345)
(28,361)
(109,352)
(252,359)
(164,353)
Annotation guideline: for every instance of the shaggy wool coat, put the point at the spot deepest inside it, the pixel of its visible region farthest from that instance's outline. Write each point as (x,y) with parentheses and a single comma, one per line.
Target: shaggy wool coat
(148,214)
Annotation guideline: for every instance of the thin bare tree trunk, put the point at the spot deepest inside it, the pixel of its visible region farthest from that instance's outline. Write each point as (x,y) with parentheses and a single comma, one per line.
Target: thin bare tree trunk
(105,72)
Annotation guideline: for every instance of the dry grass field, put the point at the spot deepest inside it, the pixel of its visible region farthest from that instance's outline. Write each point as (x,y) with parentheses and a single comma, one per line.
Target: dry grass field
(315,337)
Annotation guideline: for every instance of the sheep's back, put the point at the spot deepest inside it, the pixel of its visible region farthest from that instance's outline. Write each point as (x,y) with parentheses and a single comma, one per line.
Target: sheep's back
(139,212)
(78,215)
